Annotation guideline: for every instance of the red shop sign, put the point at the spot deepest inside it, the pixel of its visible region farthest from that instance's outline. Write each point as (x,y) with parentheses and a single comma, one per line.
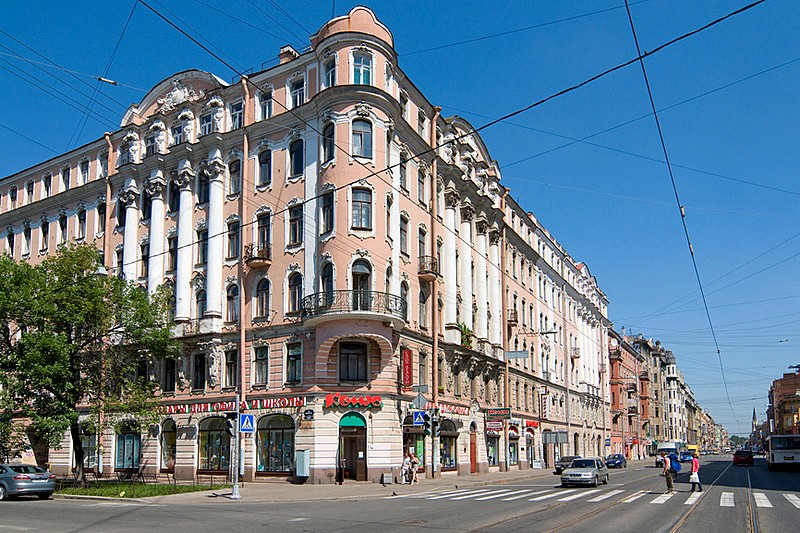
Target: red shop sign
(408,379)
(531,423)
(342,400)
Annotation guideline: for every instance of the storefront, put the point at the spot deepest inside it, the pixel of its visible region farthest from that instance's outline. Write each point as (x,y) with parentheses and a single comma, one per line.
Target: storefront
(530,446)
(275,435)
(414,441)
(448,449)
(493,431)
(353,447)
(513,445)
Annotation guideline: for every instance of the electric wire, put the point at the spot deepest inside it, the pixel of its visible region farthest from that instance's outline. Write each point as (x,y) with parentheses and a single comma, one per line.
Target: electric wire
(34,141)
(276,21)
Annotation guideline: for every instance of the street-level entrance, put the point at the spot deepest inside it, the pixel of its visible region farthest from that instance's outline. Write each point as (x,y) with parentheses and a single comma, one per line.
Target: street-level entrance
(353,447)
(473,450)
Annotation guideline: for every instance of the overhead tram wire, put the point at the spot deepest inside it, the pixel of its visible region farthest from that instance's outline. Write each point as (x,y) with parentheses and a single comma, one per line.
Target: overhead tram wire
(240,20)
(79,129)
(12,130)
(678,201)
(375,173)
(276,21)
(290,17)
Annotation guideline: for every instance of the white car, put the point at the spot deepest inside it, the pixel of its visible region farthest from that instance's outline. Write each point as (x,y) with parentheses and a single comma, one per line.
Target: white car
(585,471)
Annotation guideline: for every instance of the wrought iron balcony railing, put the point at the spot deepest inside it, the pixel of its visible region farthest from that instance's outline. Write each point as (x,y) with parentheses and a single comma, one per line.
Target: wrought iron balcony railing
(511,319)
(353,301)
(258,255)
(428,266)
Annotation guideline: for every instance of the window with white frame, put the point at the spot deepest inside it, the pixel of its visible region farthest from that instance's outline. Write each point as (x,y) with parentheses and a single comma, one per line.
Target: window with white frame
(403,235)
(147,205)
(81,233)
(362,209)
(264,168)
(63,231)
(26,240)
(330,73)
(47,185)
(200,299)
(84,172)
(234,177)
(294,360)
(262,298)
(176,133)
(362,68)
(202,246)
(404,174)
(237,115)
(296,162)
(150,145)
(353,361)
(203,187)
(101,218)
(206,124)
(422,186)
(172,253)
(297,92)
(328,142)
(423,308)
(264,231)
(296,225)
(102,161)
(232,304)
(173,202)
(422,242)
(144,254)
(65,179)
(12,197)
(265,104)
(421,120)
(362,138)
(295,292)
(44,236)
(231,368)
(261,366)
(326,209)
(10,243)
(234,243)
(389,218)
(29,192)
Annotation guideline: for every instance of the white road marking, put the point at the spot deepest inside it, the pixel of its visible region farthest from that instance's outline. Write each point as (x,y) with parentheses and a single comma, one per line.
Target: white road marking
(16,528)
(451,493)
(606,495)
(471,495)
(726,499)
(546,496)
(415,494)
(503,492)
(523,494)
(634,496)
(663,498)
(693,498)
(793,499)
(761,499)
(296,519)
(579,495)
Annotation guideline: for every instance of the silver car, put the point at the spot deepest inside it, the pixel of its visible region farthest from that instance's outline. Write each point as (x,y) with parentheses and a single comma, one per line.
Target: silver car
(20,479)
(585,471)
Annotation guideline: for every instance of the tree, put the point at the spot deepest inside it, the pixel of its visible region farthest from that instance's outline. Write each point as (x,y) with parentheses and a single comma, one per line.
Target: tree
(75,343)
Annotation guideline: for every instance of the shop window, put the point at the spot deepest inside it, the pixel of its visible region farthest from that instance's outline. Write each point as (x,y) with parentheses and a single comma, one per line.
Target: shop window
(492,449)
(169,445)
(275,444)
(214,446)
(129,443)
(448,450)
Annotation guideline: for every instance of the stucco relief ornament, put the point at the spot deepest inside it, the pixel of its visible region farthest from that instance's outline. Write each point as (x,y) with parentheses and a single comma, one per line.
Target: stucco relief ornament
(128,197)
(154,187)
(181,365)
(213,368)
(363,109)
(130,144)
(449,148)
(178,95)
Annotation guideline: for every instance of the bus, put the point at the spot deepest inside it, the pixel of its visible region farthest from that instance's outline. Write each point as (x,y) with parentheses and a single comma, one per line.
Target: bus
(783,450)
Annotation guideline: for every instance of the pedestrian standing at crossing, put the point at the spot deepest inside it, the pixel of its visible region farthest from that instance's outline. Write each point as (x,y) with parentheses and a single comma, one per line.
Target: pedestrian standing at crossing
(666,472)
(406,470)
(694,478)
(414,468)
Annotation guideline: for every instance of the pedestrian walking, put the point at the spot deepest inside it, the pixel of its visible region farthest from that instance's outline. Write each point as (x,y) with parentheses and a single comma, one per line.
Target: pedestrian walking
(667,473)
(694,477)
(406,470)
(414,468)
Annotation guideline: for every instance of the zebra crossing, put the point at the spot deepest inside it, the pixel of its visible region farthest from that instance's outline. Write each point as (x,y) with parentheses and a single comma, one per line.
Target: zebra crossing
(551,495)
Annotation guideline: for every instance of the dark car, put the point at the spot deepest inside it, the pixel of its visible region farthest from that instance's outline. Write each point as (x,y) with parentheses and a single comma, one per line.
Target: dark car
(616,460)
(563,463)
(743,457)
(19,479)
(686,457)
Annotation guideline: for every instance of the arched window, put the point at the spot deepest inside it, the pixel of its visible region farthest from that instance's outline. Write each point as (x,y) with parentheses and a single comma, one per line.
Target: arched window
(362,284)
(262,298)
(275,444)
(203,186)
(295,292)
(328,145)
(174,196)
(265,168)
(362,209)
(200,300)
(296,162)
(235,177)
(362,138)
(233,304)
(214,445)
(169,445)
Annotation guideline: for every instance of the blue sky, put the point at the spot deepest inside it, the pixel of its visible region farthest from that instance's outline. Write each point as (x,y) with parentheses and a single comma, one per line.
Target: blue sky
(728,109)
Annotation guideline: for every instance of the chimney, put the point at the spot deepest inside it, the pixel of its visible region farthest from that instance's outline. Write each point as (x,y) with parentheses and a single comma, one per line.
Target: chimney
(287,54)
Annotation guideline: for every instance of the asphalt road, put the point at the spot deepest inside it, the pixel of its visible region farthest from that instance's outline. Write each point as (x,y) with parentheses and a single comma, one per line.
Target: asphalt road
(735,499)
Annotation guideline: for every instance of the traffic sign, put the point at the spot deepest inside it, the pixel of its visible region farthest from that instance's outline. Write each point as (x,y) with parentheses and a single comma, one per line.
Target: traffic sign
(247,423)
(608,442)
(420,401)
(418,418)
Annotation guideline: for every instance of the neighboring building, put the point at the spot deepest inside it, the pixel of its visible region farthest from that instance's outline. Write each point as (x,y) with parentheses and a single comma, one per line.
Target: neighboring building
(783,412)
(676,400)
(324,260)
(628,383)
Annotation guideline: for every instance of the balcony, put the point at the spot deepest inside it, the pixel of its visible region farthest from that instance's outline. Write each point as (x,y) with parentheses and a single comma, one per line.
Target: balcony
(258,256)
(615,353)
(644,376)
(575,352)
(354,304)
(428,268)
(511,318)
(633,410)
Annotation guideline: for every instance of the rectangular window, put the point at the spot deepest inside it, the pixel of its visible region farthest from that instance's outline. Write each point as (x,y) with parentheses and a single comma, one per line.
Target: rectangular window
(422,371)
(168,383)
(172,253)
(103,161)
(233,240)
(65,179)
(264,230)
(266,105)
(62,227)
(352,361)
(421,123)
(330,73)
(101,218)
(199,372)
(231,368)
(296,225)
(45,234)
(362,209)
(235,177)
(206,124)
(298,92)
(293,362)
(12,197)
(237,115)
(10,244)
(47,185)
(362,69)
(261,370)
(84,172)
(177,135)
(145,253)
(403,235)
(29,192)
(118,256)
(421,189)
(26,241)
(202,247)
(149,145)
(327,212)
(81,225)
(404,175)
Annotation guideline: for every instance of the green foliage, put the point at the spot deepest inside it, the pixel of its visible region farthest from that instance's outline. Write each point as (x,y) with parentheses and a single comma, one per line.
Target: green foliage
(12,440)
(75,340)
(466,335)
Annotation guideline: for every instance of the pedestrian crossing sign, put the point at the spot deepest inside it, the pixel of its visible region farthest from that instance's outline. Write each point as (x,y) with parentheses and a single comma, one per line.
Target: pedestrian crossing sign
(419,418)
(247,423)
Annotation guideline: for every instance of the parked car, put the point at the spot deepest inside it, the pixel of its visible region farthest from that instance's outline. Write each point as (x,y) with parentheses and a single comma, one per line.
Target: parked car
(564,462)
(686,457)
(743,457)
(616,460)
(19,479)
(588,471)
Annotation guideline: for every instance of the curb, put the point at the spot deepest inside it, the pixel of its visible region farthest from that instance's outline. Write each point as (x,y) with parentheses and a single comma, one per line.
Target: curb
(99,498)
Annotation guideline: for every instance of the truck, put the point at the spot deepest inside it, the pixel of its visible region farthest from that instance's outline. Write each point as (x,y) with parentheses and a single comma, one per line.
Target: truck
(668,447)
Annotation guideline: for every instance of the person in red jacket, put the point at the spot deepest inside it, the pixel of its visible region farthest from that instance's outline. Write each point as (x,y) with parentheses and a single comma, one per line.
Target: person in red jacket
(695,476)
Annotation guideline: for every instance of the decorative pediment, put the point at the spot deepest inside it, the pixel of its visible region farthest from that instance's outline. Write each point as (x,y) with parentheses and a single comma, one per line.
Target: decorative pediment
(363,109)
(294,267)
(157,125)
(201,224)
(230,280)
(215,102)
(185,114)
(177,96)
(362,253)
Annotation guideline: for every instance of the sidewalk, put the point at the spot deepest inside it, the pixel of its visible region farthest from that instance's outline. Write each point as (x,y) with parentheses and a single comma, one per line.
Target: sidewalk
(284,492)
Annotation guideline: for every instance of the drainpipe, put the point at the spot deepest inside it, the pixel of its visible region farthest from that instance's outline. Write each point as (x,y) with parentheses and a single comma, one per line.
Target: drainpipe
(435,230)
(504,310)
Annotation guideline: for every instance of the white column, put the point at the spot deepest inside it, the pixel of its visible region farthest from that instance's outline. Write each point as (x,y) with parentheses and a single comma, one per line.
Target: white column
(481,290)
(216,239)
(450,289)
(129,262)
(183,274)
(155,269)
(495,290)
(467,213)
